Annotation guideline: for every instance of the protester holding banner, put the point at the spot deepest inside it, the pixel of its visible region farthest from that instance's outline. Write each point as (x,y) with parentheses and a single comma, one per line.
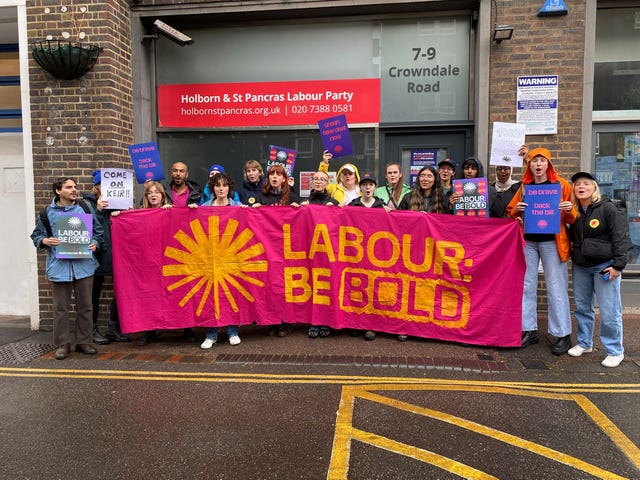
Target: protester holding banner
(68,275)
(221,185)
(207,195)
(182,191)
(369,200)
(103,214)
(426,194)
(552,249)
(155,196)
(253,181)
(391,193)
(600,242)
(276,190)
(319,194)
(348,180)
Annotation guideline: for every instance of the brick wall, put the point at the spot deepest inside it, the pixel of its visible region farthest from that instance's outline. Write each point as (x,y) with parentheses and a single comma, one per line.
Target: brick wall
(541,46)
(84,124)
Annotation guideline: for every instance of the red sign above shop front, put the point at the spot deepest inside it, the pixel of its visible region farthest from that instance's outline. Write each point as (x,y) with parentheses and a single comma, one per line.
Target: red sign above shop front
(268,103)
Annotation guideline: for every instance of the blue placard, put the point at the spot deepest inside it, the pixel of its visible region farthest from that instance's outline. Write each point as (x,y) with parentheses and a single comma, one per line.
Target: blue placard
(74,230)
(542,213)
(145,158)
(335,136)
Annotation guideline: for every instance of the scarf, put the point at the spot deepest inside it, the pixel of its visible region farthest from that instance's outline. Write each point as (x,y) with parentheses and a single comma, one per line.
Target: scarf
(503,187)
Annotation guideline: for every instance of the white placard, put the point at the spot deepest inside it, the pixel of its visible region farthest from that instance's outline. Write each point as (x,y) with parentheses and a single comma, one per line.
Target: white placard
(117,188)
(507,140)
(537,104)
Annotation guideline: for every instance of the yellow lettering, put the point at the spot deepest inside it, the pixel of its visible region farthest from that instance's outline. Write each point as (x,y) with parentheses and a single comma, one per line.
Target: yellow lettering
(321,232)
(296,285)
(354,243)
(406,254)
(321,285)
(288,253)
(442,247)
(395,249)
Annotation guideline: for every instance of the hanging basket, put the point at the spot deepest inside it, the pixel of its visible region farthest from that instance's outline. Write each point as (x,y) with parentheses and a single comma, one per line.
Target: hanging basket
(65,60)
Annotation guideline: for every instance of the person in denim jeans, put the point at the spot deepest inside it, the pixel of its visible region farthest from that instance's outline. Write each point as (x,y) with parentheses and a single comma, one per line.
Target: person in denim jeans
(221,185)
(553,250)
(600,241)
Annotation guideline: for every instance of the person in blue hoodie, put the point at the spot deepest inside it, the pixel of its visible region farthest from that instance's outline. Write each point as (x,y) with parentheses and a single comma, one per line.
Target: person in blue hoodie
(69,275)
(207,194)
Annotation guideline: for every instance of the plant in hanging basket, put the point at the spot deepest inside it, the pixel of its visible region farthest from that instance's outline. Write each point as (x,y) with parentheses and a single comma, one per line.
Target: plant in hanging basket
(65,60)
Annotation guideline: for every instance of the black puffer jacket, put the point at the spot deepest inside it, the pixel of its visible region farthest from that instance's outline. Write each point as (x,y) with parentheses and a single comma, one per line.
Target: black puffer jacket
(321,198)
(600,235)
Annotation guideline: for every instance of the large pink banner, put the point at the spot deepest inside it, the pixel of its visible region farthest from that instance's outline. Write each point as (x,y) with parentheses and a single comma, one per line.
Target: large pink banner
(426,275)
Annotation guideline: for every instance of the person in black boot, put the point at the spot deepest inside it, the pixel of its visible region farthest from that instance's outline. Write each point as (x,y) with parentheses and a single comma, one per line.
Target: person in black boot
(103,256)
(114,333)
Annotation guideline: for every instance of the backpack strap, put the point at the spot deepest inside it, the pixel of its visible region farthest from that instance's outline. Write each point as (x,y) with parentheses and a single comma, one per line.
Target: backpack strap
(44,218)
(84,205)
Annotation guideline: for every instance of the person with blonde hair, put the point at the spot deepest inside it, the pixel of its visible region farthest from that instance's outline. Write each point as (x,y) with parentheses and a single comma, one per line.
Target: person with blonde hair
(347,187)
(600,242)
(253,181)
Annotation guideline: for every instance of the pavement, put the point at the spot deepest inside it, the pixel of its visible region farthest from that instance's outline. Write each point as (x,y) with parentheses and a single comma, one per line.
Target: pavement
(20,345)
(299,408)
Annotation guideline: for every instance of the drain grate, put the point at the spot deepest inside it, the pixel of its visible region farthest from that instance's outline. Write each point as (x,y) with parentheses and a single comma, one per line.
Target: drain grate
(531,364)
(23,352)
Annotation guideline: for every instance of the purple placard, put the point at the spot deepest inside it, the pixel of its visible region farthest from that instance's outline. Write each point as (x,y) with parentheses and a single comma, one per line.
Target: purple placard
(282,156)
(474,197)
(74,230)
(542,213)
(145,158)
(335,136)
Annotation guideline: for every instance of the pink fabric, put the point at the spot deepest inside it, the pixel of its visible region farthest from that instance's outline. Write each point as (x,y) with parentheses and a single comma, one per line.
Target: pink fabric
(426,275)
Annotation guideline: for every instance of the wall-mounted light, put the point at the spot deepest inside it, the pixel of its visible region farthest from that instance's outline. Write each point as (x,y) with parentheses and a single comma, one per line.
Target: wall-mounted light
(502,32)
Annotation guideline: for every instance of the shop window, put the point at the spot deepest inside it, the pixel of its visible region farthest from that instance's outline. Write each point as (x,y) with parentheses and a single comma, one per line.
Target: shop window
(200,150)
(617,167)
(617,66)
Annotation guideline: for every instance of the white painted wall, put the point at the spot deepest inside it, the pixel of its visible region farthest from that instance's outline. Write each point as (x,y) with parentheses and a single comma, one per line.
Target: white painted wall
(14,238)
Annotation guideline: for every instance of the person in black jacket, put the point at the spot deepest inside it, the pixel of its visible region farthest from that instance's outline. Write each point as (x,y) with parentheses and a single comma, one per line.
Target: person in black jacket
(319,194)
(253,181)
(104,257)
(599,244)
(182,191)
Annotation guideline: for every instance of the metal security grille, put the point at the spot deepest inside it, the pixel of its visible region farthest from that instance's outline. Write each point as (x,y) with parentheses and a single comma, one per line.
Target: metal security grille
(13,353)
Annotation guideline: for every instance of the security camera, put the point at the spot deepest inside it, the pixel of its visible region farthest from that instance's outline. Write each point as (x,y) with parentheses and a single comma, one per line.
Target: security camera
(172,34)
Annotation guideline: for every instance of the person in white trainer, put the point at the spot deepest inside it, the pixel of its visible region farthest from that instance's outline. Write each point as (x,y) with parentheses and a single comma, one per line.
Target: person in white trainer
(599,244)
(221,185)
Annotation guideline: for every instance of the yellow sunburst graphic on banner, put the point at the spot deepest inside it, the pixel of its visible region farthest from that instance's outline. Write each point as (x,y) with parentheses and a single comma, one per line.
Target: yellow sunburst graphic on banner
(215,261)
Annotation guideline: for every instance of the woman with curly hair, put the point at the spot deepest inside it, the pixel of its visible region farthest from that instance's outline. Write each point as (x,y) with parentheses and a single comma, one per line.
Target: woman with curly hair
(426,194)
